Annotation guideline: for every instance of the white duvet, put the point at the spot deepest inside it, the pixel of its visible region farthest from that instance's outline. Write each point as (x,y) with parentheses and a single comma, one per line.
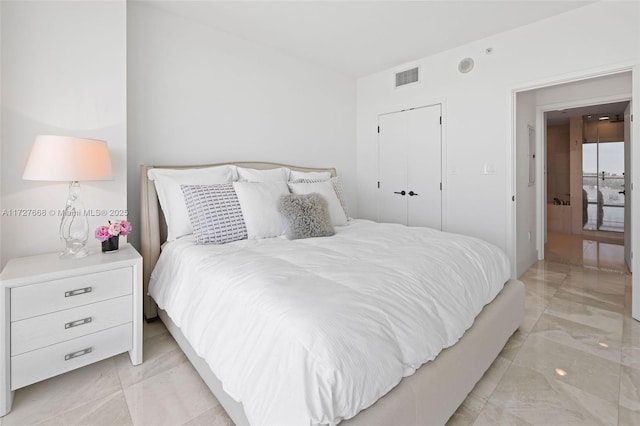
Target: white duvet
(313,331)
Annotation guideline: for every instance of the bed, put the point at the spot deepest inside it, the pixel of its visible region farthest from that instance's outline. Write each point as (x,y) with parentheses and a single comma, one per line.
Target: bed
(419,394)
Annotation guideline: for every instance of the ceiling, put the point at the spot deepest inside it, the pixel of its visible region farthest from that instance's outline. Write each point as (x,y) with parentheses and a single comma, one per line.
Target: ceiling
(358,38)
(595,111)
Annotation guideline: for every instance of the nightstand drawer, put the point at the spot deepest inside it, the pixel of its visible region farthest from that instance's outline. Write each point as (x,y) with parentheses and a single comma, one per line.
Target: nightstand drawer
(45,330)
(52,296)
(43,363)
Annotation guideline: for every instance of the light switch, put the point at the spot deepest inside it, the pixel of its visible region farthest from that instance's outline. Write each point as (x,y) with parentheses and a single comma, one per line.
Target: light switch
(489,169)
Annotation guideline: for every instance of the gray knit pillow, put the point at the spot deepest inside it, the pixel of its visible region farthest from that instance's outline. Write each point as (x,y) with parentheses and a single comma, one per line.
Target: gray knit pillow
(307,216)
(215,213)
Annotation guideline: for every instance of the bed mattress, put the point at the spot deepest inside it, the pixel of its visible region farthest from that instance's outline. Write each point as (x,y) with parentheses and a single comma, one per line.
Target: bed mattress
(314,331)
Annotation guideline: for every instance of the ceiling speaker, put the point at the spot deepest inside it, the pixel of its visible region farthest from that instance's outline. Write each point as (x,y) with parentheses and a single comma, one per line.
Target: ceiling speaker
(465,65)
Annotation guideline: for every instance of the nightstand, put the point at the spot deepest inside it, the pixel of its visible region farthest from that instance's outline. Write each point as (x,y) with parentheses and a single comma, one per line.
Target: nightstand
(57,315)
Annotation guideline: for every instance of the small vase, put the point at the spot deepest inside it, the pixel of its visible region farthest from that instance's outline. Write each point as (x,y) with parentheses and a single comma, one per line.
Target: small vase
(110,245)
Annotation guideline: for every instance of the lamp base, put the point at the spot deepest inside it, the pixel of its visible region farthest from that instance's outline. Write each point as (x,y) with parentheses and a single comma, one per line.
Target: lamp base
(74,227)
(74,253)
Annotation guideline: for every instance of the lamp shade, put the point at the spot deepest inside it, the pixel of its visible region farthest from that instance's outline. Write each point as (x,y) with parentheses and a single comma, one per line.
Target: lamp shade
(65,158)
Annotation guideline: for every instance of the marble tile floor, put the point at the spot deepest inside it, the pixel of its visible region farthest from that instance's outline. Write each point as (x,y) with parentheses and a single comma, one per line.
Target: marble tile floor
(574,361)
(600,250)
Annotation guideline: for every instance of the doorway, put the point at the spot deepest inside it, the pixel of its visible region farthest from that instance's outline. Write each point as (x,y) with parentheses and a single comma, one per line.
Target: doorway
(529,103)
(585,186)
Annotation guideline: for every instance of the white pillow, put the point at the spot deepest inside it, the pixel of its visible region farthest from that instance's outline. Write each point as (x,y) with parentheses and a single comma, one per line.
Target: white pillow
(295,175)
(325,188)
(337,186)
(259,202)
(168,181)
(280,174)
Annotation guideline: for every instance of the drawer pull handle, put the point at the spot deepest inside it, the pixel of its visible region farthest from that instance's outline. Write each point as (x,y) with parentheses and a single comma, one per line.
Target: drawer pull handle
(78,322)
(77,292)
(72,355)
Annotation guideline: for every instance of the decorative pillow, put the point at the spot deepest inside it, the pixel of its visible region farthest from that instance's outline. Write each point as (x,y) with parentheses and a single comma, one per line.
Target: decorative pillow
(215,213)
(325,188)
(280,174)
(307,216)
(259,202)
(337,186)
(167,183)
(317,176)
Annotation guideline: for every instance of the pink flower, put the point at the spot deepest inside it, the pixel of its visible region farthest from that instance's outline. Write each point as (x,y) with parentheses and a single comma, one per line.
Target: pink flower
(114,229)
(125,228)
(102,233)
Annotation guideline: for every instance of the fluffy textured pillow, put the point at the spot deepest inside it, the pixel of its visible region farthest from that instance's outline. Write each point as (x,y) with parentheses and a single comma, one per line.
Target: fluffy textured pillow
(280,174)
(167,183)
(259,202)
(215,213)
(325,188)
(317,176)
(307,216)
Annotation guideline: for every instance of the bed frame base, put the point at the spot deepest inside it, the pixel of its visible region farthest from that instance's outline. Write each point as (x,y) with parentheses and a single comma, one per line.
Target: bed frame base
(435,391)
(233,408)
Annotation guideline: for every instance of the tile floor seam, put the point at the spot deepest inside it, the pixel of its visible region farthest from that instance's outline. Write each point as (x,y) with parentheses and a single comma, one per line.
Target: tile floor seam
(496,387)
(122,386)
(126,401)
(619,382)
(619,387)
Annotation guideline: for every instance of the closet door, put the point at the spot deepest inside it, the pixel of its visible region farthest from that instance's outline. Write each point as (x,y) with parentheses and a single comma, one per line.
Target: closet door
(409,167)
(392,171)
(424,167)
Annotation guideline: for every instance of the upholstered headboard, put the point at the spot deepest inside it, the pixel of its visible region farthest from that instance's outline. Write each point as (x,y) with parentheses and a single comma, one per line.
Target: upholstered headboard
(153,227)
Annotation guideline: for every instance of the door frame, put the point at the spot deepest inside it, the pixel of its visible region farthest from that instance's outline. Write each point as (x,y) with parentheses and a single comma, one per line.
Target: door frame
(511,231)
(541,147)
(628,164)
(443,151)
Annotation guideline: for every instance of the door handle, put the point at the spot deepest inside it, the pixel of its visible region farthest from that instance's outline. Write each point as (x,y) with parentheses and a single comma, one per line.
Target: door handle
(411,193)
(401,193)
(623,192)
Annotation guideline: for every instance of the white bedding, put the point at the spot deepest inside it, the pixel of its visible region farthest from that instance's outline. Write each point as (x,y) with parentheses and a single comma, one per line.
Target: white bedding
(313,331)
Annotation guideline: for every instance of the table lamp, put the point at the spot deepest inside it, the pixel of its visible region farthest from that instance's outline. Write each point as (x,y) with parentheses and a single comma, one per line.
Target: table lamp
(65,158)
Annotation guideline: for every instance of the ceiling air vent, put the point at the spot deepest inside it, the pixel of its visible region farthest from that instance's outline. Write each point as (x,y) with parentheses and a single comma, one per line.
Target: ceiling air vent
(407,77)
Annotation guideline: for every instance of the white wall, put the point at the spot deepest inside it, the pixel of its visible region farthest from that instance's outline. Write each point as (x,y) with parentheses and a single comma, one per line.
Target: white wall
(593,91)
(63,73)
(526,252)
(478,106)
(197,95)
